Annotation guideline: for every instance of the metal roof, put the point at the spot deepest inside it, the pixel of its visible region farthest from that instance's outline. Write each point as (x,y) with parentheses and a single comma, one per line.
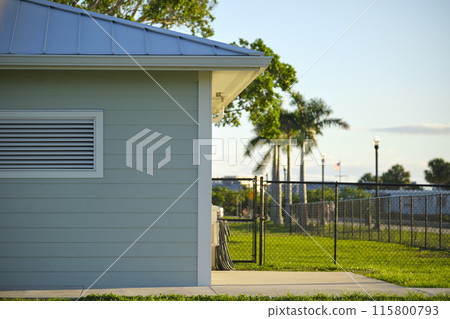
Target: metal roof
(39,27)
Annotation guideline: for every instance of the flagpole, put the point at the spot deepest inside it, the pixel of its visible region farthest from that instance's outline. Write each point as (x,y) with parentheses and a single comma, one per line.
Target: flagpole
(337,167)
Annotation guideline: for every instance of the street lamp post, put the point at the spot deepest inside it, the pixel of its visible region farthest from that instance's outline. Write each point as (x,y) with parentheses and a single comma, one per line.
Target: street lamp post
(323,176)
(285,186)
(376,143)
(323,193)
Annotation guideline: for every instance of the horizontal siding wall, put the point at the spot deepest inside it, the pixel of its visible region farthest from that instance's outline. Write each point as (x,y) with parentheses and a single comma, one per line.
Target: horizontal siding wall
(63,233)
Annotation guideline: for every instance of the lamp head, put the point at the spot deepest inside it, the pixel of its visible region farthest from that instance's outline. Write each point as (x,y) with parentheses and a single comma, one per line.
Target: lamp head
(376,142)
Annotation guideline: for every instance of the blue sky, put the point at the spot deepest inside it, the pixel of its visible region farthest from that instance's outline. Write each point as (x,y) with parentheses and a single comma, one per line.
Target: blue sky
(389,75)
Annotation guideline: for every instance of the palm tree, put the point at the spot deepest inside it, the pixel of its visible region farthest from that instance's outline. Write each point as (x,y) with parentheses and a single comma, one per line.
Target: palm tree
(273,153)
(288,132)
(308,121)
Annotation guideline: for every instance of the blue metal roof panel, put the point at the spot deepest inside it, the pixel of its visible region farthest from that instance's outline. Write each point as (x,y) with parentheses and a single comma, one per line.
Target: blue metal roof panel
(95,36)
(158,44)
(129,39)
(34,33)
(62,37)
(44,27)
(8,10)
(192,48)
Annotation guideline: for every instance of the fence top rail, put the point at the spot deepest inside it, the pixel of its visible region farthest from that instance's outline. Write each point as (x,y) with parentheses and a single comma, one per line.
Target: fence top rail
(361,184)
(369,199)
(232,179)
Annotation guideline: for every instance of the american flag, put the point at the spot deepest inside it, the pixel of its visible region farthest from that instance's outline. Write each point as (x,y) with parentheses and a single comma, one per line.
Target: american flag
(337,166)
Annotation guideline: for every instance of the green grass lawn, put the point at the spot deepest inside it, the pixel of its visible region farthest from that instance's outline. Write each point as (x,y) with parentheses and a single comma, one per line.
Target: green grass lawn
(289,297)
(396,263)
(419,238)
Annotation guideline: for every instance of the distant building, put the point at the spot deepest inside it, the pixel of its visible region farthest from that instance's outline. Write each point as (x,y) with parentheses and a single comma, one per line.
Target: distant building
(234,183)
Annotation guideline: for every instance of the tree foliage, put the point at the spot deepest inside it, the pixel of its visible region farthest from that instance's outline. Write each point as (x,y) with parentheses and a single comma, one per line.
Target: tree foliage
(307,122)
(367,178)
(349,193)
(193,14)
(230,200)
(438,172)
(310,119)
(396,175)
(346,193)
(262,98)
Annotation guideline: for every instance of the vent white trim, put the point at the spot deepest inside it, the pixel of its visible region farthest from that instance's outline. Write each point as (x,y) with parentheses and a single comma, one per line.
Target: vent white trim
(51,144)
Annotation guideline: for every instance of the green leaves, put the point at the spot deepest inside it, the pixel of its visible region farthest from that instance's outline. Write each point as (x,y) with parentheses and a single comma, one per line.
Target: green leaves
(396,175)
(346,193)
(367,178)
(262,98)
(193,14)
(222,196)
(310,118)
(439,171)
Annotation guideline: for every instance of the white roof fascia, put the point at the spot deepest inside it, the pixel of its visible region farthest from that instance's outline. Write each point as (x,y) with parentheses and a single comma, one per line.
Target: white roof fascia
(110,62)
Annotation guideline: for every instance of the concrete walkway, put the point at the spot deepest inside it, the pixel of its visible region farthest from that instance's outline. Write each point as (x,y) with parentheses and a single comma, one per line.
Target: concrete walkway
(267,283)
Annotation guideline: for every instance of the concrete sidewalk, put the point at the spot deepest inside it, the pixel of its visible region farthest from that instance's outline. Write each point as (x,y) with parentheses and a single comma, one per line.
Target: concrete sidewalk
(267,283)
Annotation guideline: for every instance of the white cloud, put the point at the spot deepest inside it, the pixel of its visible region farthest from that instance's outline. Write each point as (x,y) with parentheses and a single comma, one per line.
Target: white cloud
(418,129)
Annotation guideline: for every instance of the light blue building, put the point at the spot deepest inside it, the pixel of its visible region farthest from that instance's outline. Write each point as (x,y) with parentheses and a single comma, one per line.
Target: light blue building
(98,122)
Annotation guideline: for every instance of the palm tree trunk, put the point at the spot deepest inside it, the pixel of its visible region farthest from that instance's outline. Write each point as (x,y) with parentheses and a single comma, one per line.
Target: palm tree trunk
(289,191)
(303,195)
(288,186)
(272,187)
(279,208)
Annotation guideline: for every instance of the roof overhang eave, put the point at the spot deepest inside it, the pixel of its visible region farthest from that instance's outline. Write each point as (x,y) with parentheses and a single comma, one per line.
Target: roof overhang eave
(124,62)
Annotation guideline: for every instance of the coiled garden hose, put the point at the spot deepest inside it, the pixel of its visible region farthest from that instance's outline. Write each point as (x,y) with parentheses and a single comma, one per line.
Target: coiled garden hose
(223,259)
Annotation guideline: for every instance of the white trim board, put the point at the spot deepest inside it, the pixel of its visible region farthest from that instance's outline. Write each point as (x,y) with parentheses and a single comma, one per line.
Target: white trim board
(124,62)
(204,182)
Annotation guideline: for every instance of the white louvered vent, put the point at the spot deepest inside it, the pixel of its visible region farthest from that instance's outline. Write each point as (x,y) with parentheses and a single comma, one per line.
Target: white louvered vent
(51,144)
(47,144)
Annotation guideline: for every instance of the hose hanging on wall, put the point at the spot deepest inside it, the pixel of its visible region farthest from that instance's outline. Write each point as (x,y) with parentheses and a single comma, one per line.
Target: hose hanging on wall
(223,259)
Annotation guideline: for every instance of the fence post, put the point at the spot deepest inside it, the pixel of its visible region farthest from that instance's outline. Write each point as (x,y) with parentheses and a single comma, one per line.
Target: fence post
(305,208)
(400,217)
(360,218)
(352,218)
(319,222)
(255,217)
(266,202)
(292,213)
(344,232)
(323,217)
(440,221)
(329,218)
(412,221)
(426,220)
(335,221)
(261,219)
(378,217)
(389,219)
(369,220)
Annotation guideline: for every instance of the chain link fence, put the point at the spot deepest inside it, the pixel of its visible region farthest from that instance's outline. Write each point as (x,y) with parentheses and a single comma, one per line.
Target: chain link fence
(419,218)
(374,230)
(236,197)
